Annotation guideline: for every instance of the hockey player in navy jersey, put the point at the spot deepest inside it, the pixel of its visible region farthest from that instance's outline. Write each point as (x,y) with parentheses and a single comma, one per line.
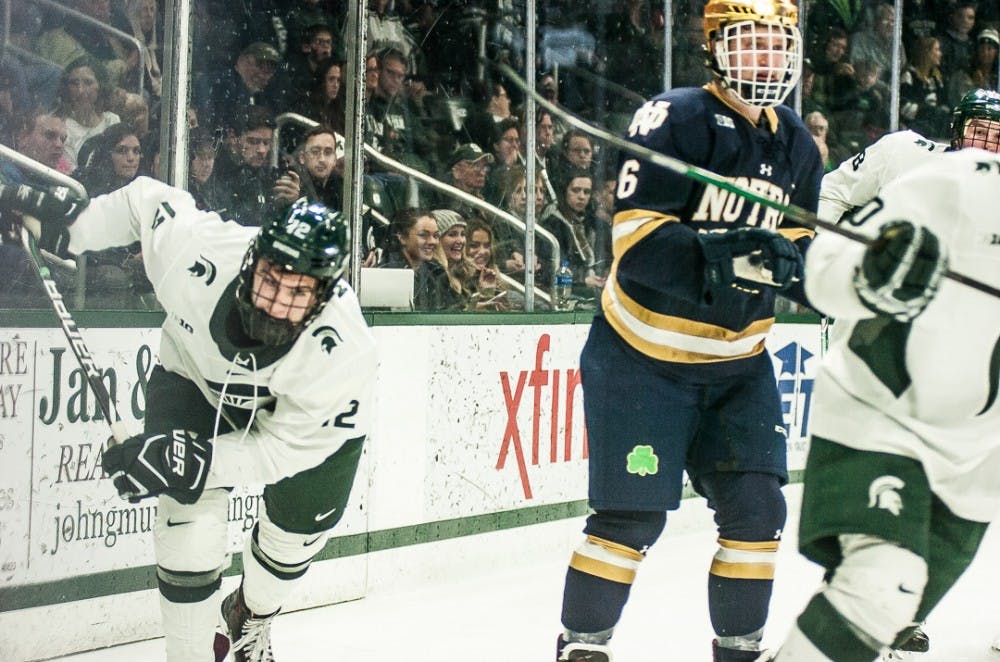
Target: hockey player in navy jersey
(266,377)
(675,374)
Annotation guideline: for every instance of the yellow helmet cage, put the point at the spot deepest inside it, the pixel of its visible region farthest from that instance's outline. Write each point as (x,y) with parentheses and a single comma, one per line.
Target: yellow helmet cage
(755,48)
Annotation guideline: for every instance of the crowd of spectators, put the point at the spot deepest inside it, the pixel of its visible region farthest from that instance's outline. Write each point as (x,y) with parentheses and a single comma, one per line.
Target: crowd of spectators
(70,97)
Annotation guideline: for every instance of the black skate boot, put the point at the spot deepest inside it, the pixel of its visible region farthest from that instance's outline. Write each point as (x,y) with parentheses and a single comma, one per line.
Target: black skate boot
(721,654)
(579,652)
(249,633)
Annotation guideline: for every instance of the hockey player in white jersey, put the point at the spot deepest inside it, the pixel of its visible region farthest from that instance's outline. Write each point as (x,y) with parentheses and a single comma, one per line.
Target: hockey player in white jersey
(975,123)
(266,377)
(900,482)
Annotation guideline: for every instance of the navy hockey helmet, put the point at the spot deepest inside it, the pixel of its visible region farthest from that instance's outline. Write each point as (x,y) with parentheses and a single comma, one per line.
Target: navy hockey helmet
(761,77)
(977,104)
(306,240)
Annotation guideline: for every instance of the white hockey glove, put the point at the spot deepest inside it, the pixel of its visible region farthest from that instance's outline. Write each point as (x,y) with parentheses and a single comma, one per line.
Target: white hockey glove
(175,464)
(747,258)
(901,271)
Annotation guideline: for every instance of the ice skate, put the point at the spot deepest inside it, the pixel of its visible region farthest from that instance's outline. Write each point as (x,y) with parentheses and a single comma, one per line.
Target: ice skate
(249,633)
(720,654)
(580,652)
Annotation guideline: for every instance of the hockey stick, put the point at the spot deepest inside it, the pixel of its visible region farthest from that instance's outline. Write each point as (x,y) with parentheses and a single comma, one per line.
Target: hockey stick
(76,343)
(676,166)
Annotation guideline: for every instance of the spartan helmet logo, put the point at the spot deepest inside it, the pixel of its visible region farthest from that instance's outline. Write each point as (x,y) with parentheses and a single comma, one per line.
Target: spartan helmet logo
(882,493)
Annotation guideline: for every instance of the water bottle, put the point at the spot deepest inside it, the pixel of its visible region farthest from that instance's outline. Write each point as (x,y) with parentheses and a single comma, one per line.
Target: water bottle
(564,286)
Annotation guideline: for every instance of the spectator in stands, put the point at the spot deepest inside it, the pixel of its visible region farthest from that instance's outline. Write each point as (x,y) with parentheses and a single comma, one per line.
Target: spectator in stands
(450,254)
(957,44)
(202,147)
(874,43)
(808,84)
(631,56)
(82,101)
(506,145)
(133,110)
(325,98)
(108,161)
(576,152)
(25,27)
(577,230)
(306,14)
(861,110)
(250,82)
(41,136)
(303,64)
(242,166)
(923,107)
(143,20)
(73,39)
(983,71)
(371,75)
(508,244)
(548,87)
(490,106)
(316,176)
(831,66)
(390,124)
(488,292)
(413,238)
(386,31)
(470,166)
(544,134)
(819,127)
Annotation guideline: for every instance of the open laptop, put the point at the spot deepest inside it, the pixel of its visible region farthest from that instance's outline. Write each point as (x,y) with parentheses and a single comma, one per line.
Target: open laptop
(388,289)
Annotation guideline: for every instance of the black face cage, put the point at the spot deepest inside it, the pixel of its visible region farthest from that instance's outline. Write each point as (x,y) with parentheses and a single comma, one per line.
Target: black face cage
(261,326)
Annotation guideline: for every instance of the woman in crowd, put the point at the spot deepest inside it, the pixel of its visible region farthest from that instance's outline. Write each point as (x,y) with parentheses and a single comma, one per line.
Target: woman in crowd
(325,98)
(583,240)
(922,105)
(82,101)
(413,240)
(488,291)
(116,277)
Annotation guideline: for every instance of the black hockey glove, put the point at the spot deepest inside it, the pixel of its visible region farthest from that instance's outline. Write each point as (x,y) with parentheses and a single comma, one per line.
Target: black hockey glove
(55,208)
(59,205)
(748,258)
(175,464)
(901,271)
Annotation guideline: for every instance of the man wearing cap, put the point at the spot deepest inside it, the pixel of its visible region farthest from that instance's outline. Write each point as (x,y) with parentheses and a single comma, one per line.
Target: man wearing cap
(468,167)
(251,82)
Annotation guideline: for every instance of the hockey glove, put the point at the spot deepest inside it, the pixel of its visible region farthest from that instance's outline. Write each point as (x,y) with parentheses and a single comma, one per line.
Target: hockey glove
(175,464)
(901,271)
(60,205)
(748,258)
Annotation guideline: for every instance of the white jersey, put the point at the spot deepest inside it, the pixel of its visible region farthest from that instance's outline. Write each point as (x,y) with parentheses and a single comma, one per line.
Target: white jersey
(927,389)
(304,401)
(860,178)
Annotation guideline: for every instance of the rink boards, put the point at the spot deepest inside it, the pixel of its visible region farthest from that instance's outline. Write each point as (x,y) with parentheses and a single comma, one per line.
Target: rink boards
(479,428)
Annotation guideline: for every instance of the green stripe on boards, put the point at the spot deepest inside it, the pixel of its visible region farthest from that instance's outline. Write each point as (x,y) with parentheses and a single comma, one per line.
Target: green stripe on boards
(103,584)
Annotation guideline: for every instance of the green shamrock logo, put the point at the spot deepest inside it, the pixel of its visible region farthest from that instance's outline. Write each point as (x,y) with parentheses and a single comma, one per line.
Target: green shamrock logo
(643,461)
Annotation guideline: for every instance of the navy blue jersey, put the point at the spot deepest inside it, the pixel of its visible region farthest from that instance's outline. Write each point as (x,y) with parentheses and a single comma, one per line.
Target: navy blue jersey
(656,298)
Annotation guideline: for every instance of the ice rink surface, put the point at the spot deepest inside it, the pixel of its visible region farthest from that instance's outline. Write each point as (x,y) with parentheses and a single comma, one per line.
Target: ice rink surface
(511,614)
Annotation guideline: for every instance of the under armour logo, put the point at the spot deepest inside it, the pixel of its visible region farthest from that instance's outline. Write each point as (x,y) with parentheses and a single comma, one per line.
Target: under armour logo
(765,169)
(882,493)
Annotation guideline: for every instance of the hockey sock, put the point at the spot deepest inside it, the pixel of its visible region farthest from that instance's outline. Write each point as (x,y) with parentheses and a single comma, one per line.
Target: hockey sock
(267,581)
(739,587)
(189,628)
(833,634)
(598,582)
